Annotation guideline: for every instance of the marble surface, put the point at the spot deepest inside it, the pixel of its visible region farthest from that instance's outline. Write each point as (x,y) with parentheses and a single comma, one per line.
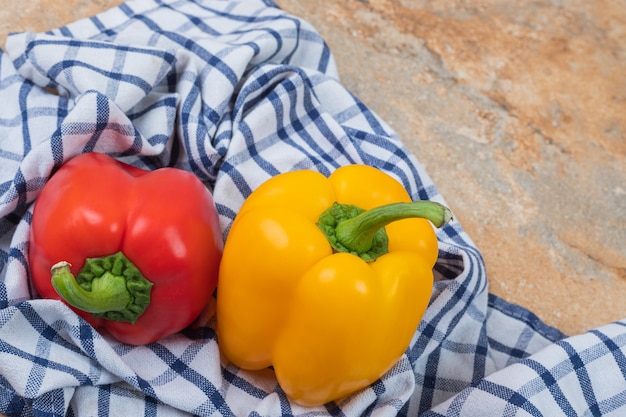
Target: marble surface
(516,109)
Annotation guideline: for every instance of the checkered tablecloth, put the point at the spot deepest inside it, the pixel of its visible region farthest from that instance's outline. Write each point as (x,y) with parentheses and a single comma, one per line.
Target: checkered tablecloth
(236,92)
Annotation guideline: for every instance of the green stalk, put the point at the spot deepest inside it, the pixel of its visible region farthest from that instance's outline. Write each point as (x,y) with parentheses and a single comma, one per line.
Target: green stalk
(108,293)
(354,230)
(110,287)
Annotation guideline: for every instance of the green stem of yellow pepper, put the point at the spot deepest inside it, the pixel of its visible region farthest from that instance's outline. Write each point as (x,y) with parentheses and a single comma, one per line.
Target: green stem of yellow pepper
(354,230)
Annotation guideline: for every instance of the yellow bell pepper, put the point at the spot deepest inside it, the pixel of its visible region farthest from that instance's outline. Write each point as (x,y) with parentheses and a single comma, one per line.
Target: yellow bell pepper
(326,295)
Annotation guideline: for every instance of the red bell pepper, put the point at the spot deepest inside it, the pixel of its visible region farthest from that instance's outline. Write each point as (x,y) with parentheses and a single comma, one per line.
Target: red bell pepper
(144,246)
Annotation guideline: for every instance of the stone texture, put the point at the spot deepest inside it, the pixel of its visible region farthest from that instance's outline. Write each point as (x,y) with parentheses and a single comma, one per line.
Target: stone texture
(516,109)
(518,112)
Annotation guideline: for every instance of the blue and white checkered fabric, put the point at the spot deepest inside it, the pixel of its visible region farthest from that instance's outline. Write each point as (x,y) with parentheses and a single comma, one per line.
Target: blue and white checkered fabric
(236,92)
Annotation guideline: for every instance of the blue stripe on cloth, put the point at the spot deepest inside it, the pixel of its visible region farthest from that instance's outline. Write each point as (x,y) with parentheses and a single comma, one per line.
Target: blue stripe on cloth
(178,366)
(529,318)
(236,92)
(549,381)
(232,378)
(11,404)
(23,95)
(104,400)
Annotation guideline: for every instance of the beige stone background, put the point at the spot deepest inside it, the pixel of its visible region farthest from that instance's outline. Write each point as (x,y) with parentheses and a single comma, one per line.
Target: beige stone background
(516,109)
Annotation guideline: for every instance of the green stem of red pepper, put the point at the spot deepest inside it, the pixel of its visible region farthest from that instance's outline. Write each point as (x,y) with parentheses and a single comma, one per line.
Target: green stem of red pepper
(110,287)
(354,230)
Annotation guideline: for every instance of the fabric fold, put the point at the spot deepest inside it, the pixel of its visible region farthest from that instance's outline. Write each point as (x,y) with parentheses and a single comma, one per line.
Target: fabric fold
(75,71)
